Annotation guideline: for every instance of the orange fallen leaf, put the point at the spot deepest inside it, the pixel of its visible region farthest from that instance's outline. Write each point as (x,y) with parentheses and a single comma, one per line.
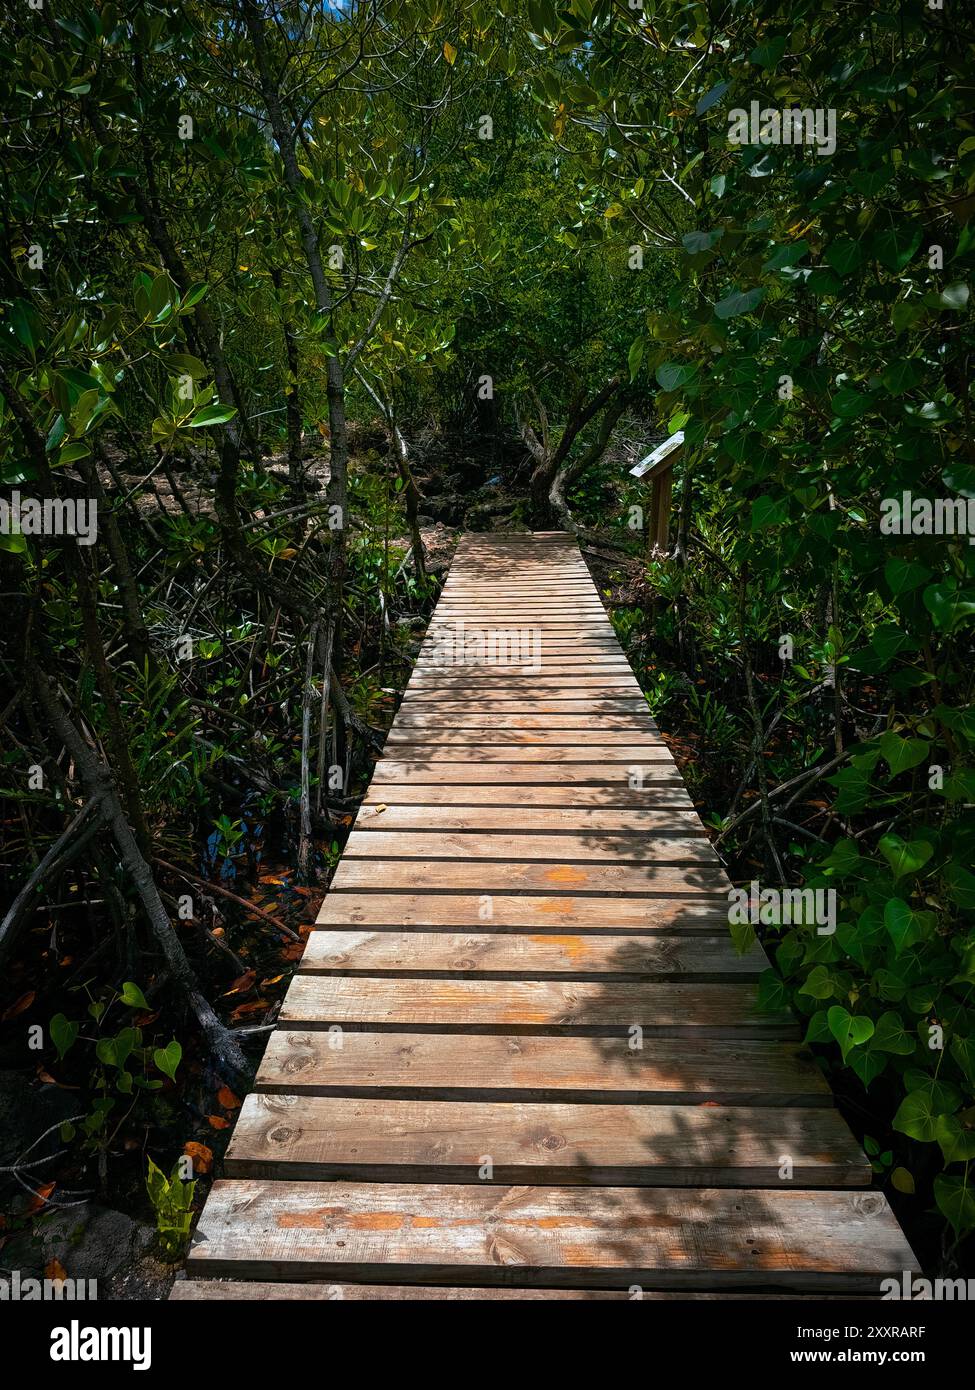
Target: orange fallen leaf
(242,983)
(258,1006)
(227,1099)
(20,1005)
(272,981)
(292,952)
(217,1122)
(41,1196)
(202,1156)
(54,1269)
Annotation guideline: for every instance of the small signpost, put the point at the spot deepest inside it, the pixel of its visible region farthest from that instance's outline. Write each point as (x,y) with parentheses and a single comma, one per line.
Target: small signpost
(657,468)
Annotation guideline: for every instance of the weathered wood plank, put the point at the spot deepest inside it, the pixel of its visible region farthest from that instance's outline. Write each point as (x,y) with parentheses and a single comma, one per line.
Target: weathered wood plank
(303,1137)
(526,773)
(504,955)
(256,1291)
(509,1006)
(654,795)
(795,1241)
(598,846)
(516,913)
(484,1066)
(530,818)
(635,754)
(514,876)
(471,739)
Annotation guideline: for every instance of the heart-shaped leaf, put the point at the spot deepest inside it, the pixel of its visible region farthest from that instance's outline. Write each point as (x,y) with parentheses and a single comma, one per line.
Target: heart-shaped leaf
(849,1030)
(168,1058)
(904,856)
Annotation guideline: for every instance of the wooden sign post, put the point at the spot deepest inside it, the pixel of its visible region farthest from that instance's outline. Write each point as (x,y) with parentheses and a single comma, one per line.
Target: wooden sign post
(657,469)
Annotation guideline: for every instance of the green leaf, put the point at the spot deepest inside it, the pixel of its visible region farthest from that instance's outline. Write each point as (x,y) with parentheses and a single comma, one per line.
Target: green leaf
(895,247)
(185,364)
(902,1180)
(904,575)
(849,1030)
(890,1035)
(905,856)
(844,256)
(902,376)
(739,302)
(132,996)
(956,1202)
(635,356)
(906,927)
(961,886)
(710,98)
(918,1116)
(768,511)
(903,753)
(168,1058)
(212,415)
(64,1034)
(672,375)
(768,55)
(772,993)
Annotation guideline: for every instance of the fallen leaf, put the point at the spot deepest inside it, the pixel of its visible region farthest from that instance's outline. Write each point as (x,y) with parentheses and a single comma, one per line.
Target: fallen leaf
(265,984)
(217,1122)
(40,1196)
(201,1156)
(20,1005)
(257,1007)
(242,983)
(54,1269)
(227,1099)
(292,952)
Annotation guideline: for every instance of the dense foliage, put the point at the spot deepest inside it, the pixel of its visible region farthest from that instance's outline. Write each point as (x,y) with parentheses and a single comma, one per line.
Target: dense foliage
(267,268)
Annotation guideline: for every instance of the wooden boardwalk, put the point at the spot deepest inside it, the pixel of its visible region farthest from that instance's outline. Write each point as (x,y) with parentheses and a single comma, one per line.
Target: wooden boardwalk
(521,1052)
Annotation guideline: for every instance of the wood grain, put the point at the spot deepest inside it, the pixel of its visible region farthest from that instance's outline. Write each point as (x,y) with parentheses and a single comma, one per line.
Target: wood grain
(512,1006)
(333,1138)
(484,1066)
(500,955)
(797,1241)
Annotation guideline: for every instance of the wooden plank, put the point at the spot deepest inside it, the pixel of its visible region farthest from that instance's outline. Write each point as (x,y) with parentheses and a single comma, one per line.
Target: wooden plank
(550,848)
(496,680)
(436,664)
(636,754)
(655,794)
(510,1006)
(504,912)
(515,773)
(437,1066)
(793,1241)
(488,704)
(257,1291)
(406,726)
(472,739)
(514,876)
(309,1138)
(530,818)
(499,955)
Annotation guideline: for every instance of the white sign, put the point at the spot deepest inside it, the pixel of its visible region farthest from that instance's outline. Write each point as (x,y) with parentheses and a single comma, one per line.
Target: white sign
(659,454)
